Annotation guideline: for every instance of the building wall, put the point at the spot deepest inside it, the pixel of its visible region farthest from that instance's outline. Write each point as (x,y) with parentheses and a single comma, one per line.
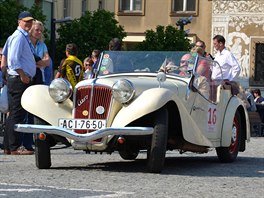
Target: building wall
(157,12)
(76,7)
(242,24)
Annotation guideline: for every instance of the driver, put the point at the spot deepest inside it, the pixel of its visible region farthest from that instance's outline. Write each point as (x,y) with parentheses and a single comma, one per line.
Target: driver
(184,64)
(182,69)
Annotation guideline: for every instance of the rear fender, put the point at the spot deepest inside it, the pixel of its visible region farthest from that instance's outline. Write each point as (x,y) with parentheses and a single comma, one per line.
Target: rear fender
(36,100)
(233,106)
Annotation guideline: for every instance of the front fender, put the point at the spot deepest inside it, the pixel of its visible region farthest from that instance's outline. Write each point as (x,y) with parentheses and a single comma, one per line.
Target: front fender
(36,100)
(231,109)
(149,101)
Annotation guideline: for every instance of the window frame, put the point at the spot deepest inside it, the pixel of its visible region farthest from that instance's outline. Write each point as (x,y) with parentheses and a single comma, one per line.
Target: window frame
(131,12)
(252,64)
(66,8)
(184,13)
(84,6)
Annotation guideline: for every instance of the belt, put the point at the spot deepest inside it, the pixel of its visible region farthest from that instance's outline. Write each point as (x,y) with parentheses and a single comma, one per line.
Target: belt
(13,76)
(17,76)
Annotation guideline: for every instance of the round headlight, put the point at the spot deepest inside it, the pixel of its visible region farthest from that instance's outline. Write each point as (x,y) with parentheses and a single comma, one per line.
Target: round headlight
(60,90)
(123,91)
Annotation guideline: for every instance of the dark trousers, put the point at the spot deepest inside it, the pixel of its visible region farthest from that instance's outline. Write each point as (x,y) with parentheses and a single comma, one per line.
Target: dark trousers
(17,115)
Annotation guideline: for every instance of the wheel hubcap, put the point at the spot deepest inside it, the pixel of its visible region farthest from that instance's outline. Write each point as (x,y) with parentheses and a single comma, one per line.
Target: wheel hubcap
(234,135)
(234,140)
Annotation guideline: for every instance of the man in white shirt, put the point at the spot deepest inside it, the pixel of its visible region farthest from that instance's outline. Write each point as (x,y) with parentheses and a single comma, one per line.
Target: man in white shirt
(228,63)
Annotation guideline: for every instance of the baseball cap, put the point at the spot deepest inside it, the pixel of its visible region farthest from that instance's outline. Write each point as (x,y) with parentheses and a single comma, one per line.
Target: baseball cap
(25,16)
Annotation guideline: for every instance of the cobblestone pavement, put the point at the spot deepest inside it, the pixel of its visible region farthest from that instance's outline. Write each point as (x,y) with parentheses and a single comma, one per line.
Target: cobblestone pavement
(76,174)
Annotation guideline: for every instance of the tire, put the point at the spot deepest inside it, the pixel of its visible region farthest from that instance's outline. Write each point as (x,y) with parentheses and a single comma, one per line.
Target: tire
(156,154)
(229,154)
(42,149)
(129,154)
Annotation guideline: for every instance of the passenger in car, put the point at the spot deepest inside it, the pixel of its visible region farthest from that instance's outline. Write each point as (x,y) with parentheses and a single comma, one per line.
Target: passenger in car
(203,67)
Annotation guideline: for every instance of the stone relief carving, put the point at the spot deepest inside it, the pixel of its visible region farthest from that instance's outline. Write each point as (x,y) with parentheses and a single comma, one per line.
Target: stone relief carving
(240,22)
(231,7)
(238,44)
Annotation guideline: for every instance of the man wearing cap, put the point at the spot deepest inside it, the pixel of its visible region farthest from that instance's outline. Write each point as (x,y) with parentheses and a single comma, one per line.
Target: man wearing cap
(18,56)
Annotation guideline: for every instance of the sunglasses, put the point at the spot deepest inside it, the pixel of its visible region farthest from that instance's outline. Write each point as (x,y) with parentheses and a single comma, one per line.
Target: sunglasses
(183,61)
(87,64)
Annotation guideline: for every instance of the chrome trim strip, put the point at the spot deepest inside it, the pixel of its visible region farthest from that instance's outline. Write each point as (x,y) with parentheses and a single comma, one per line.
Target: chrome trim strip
(28,128)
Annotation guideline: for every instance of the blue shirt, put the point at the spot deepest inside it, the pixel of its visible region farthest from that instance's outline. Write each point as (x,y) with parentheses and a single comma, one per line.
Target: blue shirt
(40,49)
(19,54)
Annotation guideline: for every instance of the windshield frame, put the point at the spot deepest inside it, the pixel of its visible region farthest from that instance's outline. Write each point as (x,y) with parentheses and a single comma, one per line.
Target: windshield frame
(147,62)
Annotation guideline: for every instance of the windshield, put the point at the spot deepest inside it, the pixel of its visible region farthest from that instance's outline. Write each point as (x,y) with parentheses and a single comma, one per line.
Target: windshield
(179,63)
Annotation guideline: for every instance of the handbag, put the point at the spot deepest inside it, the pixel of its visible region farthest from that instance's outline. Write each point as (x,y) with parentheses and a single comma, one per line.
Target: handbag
(37,79)
(4,100)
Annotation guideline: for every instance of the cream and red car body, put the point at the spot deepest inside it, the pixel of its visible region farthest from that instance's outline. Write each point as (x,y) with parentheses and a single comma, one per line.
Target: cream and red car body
(194,121)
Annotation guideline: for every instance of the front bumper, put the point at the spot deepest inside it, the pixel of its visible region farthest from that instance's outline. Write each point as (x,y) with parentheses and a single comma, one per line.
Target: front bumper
(28,128)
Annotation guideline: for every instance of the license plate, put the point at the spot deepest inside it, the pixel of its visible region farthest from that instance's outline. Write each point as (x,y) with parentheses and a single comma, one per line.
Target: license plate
(82,124)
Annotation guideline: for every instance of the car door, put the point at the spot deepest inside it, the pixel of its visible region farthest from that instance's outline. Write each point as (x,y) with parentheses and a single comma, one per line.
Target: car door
(205,110)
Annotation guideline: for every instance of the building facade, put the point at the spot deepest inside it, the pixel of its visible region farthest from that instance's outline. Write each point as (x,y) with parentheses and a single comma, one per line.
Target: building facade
(242,23)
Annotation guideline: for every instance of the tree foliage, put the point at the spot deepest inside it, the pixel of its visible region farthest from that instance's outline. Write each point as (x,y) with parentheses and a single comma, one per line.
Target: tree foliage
(9,11)
(166,38)
(92,31)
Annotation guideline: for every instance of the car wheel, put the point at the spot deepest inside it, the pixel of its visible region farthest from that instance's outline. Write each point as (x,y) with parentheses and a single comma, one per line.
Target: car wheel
(42,149)
(157,152)
(229,154)
(129,154)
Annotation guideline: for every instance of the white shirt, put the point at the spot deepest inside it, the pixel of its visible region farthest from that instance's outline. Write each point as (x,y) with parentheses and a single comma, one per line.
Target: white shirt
(229,66)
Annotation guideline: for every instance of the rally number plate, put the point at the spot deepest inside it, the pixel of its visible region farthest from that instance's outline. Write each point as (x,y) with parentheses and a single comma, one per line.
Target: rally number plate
(82,124)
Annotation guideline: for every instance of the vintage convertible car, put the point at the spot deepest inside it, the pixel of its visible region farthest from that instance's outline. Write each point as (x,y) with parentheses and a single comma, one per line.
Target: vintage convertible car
(151,101)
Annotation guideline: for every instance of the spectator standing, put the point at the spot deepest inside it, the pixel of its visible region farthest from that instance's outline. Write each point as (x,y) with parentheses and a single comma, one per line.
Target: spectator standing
(1,84)
(1,79)
(251,101)
(72,68)
(201,44)
(21,68)
(95,58)
(114,45)
(258,98)
(40,51)
(87,63)
(228,63)
(42,59)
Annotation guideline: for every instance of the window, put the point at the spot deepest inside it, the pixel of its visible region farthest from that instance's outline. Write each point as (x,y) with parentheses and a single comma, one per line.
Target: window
(101,4)
(84,6)
(255,60)
(66,8)
(131,7)
(259,60)
(184,7)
